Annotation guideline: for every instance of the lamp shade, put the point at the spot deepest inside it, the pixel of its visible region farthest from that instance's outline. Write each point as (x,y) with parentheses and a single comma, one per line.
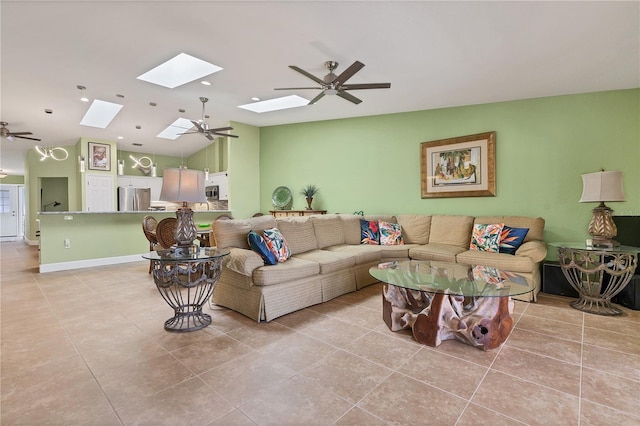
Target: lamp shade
(182,185)
(602,186)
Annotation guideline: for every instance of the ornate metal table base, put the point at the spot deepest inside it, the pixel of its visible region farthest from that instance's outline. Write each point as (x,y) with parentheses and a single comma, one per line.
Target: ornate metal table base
(483,322)
(186,286)
(597,275)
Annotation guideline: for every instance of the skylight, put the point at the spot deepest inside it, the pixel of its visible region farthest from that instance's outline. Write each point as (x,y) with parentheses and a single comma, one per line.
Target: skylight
(100,114)
(285,102)
(179,70)
(174,129)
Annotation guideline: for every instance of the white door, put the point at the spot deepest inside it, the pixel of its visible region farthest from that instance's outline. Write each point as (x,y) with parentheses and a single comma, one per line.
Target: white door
(100,195)
(8,211)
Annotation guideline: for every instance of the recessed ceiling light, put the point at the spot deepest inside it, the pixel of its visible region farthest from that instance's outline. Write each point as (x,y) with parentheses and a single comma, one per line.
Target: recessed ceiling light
(255,98)
(100,114)
(206,83)
(179,70)
(292,101)
(120,137)
(173,131)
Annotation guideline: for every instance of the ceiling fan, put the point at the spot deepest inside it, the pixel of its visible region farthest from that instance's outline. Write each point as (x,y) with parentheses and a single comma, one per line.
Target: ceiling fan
(332,84)
(4,132)
(203,128)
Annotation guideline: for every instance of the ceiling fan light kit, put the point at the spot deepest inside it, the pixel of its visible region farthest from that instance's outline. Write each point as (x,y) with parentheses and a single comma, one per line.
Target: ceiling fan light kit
(332,84)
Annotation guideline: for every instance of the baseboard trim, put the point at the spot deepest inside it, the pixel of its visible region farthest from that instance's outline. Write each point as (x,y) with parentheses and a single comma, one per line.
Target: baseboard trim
(90,263)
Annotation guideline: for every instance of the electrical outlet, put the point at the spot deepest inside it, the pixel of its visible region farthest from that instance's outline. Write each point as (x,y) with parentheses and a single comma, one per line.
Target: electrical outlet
(67,243)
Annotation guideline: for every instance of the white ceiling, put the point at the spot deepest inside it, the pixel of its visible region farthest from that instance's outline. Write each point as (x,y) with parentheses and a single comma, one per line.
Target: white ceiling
(435,54)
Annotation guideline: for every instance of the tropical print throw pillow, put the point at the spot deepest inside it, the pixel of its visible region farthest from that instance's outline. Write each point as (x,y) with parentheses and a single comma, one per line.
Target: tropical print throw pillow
(277,244)
(390,233)
(369,232)
(486,237)
(511,239)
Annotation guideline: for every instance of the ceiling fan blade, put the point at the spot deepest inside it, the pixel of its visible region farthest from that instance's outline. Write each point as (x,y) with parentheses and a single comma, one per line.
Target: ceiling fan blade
(24,137)
(303,72)
(349,97)
(224,134)
(316,99)
(348,73)
(187,133)
(366,86)
(208,136)
(220,129)
(19,133)
(298,88)
(198,125)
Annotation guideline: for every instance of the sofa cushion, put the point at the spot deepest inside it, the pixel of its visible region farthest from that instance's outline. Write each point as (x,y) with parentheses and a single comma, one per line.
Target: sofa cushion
(535,224)
(451,230)
(415,228)
(328,229)
(259,245)
(363,253)
(277,244)
(444,252)
(400,251)
(369,232)
(233,233)
(390,233)
(486,237)
(243,261)
(329,261)
(292,269)
(511,239)
(299,233)
(498,260)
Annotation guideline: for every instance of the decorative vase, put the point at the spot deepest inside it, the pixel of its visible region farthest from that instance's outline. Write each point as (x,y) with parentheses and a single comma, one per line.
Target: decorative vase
(309,201)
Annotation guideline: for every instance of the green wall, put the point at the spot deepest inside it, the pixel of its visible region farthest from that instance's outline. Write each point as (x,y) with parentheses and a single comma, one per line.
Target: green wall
(542,147)
(244,171)
(16,180)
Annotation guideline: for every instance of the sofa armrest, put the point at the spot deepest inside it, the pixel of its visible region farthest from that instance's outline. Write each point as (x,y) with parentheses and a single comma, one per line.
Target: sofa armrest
(243,261)
(536,250)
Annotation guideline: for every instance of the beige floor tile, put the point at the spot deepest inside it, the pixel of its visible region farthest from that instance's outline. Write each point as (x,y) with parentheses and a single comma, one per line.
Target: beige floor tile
(543,344)
(616,392)
(551,327)
(358,315)
(234,418)
(444,372)
(612,362)
(612,340)
(246,376)
(299,319)
(592,414)
(525,401)
(297,351)
(206,355)
(616,324)
(298,401)
(384,350)
(192,402)
(359,417)
(333,331)
(539,369)
(347,375)
(260,335)
(475,415)
(467,352)
(403,400)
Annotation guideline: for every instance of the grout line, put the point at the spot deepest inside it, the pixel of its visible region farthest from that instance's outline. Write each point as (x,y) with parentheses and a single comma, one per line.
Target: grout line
(581,371)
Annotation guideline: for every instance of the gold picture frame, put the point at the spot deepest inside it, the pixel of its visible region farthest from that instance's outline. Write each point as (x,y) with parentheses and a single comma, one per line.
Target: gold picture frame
(463,166)
(99,156)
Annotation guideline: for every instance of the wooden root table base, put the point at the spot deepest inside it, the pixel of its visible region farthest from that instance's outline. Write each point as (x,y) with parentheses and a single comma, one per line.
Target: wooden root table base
(483,322)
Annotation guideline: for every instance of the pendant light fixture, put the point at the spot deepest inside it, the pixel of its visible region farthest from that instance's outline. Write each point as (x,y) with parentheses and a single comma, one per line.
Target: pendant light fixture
(55,153)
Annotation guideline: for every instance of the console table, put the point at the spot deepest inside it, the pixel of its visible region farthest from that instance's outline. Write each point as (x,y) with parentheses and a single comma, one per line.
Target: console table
(186,282)
(597,274)
(287,213)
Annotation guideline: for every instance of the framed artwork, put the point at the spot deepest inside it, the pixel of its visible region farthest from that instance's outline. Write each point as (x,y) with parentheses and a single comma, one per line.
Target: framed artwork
(99,156)
(464,166)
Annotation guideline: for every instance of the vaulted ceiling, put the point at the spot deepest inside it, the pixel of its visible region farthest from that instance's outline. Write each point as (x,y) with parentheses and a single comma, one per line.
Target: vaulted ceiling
(435,54)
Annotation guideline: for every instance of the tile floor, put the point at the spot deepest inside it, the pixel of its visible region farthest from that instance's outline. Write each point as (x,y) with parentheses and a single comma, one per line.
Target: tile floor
(87,347)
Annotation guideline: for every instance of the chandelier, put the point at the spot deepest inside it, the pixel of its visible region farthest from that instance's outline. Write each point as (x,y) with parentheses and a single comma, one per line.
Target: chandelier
(56,153)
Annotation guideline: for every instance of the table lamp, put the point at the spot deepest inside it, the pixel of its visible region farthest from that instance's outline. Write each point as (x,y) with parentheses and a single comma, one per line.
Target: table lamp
(600,187)
(186,186)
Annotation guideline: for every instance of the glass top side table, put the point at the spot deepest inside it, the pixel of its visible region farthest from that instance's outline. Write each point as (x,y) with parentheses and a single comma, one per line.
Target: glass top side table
(597,274)
(186,281)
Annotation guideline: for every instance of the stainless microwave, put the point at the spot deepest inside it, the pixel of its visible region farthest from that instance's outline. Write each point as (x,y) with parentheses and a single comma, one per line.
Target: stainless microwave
(212,192)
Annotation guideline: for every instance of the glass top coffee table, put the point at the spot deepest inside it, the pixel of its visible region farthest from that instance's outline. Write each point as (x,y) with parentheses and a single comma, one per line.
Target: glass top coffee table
(441,300)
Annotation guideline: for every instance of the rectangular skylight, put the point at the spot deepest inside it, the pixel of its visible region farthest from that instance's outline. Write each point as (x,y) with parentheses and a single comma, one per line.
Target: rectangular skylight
(174,129)
(292,101)
(179,70)
(100,114)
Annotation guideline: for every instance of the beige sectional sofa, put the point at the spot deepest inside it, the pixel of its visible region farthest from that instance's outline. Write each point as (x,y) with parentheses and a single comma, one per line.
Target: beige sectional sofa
(327,259)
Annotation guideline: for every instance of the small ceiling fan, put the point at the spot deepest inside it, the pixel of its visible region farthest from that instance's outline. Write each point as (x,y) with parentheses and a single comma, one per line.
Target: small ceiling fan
(4,132)
(332,84)
(203,128)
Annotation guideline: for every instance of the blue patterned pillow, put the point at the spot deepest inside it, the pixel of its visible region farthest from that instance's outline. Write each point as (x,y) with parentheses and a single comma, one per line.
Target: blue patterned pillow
(259,245)
(369,232)
(511,239)
(277,244)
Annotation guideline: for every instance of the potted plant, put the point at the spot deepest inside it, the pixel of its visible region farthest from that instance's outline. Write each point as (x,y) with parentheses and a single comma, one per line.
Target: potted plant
(309,191)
